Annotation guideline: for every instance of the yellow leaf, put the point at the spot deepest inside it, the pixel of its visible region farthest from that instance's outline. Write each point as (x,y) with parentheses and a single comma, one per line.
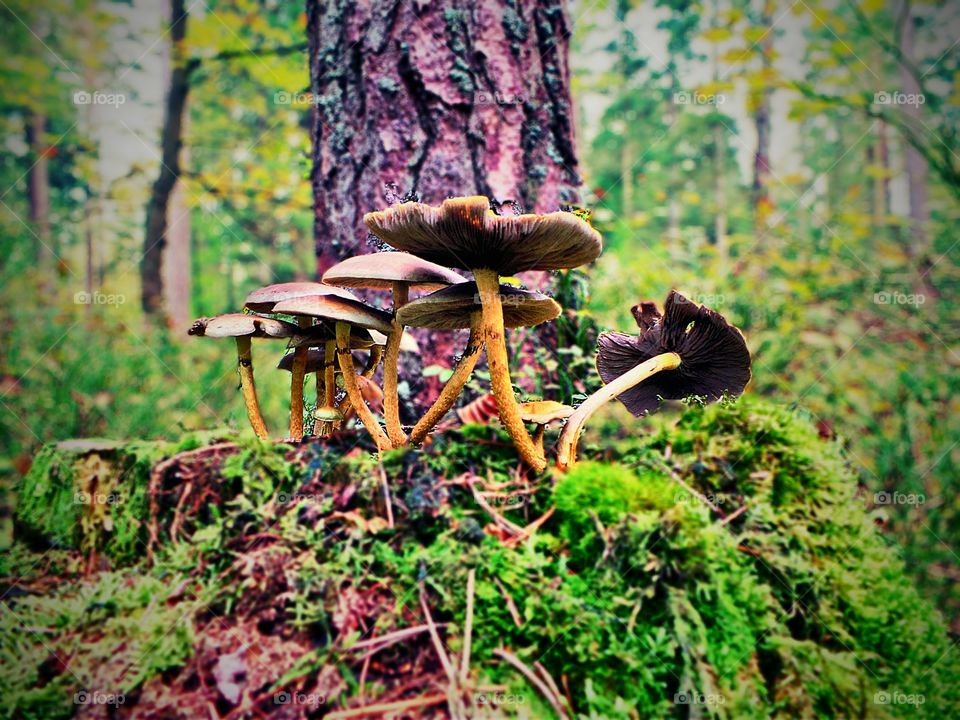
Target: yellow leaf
(717,34)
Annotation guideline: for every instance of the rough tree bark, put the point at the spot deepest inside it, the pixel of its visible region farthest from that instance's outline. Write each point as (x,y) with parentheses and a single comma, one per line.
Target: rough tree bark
(437,99)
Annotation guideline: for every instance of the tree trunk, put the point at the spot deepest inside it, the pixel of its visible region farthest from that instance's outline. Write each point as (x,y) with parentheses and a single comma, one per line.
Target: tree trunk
(761,120)
(155,238)
(39,193)
(917,248)
(440,99)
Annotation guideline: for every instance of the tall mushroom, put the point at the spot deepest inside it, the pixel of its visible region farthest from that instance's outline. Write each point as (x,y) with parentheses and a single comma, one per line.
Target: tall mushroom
(690,350)
(456,307)
(400,273)
(347,314)
(264,300)
(243,328)
(465,233)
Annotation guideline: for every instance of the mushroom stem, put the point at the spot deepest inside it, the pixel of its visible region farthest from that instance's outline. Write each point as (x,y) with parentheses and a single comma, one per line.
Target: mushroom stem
(567,443)
(451,391)
(298,372)
(538,437)
(349,374)
(391,359)
(326,387)
(488,286)
(249,388)
(376,354)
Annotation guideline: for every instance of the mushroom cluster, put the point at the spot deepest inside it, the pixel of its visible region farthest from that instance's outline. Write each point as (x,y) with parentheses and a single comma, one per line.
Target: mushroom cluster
(689,350)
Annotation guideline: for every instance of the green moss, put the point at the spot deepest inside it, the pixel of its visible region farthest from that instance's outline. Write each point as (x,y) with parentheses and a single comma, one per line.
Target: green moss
(793,607)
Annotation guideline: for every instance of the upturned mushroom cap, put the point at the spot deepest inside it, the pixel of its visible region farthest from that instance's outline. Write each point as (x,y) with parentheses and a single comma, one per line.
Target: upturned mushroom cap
(242,325)
(264,299)
(544,412)
(714,358)
(337,309)
(408,343)
(379,271)
(452,307)
(463,232)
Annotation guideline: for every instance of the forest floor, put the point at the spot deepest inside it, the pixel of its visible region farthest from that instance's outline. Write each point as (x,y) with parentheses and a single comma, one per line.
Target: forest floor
(726,560)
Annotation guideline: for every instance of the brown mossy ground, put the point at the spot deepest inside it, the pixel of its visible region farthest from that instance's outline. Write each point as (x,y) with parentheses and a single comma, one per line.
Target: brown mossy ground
(722,564)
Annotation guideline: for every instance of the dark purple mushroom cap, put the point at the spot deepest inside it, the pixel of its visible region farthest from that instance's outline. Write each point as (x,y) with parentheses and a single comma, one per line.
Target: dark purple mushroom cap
(463,232)
(264,299)
(714,359)
(337,309)
(242,325)
(452,307)
(379,271)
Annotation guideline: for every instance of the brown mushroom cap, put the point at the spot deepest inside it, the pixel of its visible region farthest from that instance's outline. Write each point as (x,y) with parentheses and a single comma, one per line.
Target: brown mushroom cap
(379,271)
(316,362)
(714,358)
(452,307)
(242,325)
(337,309)
(317,335)
(544,412)
(264,299)
(463,232)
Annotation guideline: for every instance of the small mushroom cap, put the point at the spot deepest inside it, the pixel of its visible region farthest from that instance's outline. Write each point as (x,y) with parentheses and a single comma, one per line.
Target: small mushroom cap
(242,325)
(544,412)
(463,232)
(714,358)
(316,362)
(319,334)
(452,307)
(408,343)
(379,271)
(264,299)
(325,413)
(337,309)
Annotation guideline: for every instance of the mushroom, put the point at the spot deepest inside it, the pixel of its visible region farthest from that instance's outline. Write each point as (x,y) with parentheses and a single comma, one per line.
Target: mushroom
(400,273)
(324,335)
(690,350)
(347,314)
(243,327)
(326,415)
(459,306)
(541,413)
(265,299)
(464,232)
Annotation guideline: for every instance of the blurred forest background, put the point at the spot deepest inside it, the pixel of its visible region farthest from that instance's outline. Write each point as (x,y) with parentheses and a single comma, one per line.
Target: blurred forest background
(793,165)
